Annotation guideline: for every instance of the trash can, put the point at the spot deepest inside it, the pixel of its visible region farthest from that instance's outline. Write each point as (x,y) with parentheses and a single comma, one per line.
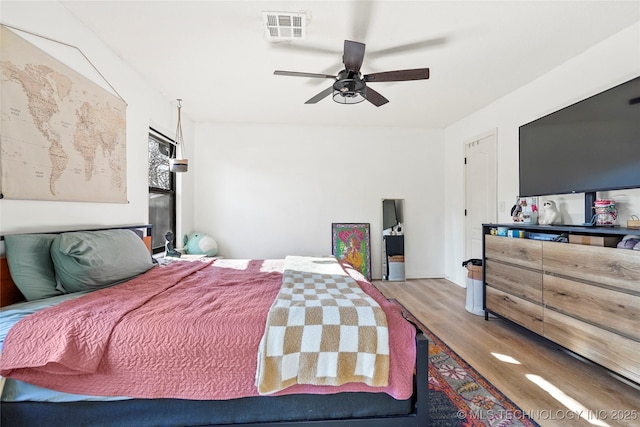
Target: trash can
(474,286)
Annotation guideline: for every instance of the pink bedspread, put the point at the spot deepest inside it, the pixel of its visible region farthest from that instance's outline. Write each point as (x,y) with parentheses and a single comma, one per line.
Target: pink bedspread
(188,330)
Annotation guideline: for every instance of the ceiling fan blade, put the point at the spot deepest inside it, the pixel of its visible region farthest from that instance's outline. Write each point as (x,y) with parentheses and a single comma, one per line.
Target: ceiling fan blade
(398,76)
(353,55)
(407,47)
(361,12)
(300,74)
(328,91)
(374,97)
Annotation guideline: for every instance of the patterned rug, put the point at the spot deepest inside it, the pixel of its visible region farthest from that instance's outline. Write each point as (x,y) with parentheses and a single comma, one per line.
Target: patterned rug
(458,395)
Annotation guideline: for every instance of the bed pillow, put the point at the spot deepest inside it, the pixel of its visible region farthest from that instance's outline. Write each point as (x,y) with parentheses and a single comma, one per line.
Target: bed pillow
(88,260)
(30,264)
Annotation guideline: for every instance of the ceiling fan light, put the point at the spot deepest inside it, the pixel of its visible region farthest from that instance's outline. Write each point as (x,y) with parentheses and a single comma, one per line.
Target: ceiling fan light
(348,91)
(346,97)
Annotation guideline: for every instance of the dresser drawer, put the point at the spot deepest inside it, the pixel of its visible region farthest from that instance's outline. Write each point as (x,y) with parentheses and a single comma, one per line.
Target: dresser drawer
(613,310)
(520,311)
(611,350)
(523,283)
(522,252)
(619,268)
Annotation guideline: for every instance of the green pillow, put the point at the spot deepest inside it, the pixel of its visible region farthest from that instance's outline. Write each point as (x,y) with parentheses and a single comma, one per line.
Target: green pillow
(30,264)
(88,260)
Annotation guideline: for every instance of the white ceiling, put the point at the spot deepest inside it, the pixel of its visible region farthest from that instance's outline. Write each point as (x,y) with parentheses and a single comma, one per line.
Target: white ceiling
(215,56)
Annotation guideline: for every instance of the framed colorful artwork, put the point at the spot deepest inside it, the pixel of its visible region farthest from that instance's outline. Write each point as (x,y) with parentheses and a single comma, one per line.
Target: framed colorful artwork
(352,243)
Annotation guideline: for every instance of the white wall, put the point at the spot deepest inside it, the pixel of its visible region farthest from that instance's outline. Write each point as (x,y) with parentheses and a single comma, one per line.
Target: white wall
(270,191)
(324,175)
(605,65)
(146,107)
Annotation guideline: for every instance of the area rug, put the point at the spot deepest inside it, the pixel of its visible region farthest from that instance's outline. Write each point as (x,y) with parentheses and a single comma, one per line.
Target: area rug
(458,395)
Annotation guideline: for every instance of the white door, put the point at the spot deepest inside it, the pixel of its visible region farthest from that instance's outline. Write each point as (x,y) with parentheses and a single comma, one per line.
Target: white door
(480,190)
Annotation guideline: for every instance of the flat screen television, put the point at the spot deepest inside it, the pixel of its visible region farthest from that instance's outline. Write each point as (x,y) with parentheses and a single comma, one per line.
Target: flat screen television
(592,145)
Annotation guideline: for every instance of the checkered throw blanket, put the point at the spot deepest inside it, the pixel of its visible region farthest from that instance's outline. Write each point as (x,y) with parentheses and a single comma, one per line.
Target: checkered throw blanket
(322,329)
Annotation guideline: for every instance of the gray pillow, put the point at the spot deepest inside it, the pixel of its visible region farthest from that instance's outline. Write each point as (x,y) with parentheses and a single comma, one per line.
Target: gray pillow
(30,264)
(88,260)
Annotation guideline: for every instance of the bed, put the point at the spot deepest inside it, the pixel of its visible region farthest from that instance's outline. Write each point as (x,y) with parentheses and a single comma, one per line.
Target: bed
(110,338)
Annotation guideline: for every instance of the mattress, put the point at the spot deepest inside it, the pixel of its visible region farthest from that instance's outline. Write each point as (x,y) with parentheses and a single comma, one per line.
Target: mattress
(20,391)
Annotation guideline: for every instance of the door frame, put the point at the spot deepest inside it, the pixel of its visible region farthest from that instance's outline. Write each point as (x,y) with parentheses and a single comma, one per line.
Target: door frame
(491,132)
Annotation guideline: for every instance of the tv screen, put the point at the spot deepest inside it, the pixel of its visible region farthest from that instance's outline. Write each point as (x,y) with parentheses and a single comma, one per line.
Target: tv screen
(389,218)
(593,145)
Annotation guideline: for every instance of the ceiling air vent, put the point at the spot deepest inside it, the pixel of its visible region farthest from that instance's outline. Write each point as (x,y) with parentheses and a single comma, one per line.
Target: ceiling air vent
(285,25)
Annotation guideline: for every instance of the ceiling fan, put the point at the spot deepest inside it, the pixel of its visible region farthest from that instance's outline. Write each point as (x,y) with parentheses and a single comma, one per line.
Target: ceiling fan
(350,85)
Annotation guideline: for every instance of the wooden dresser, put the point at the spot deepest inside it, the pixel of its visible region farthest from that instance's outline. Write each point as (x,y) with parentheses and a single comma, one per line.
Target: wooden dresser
(585,298)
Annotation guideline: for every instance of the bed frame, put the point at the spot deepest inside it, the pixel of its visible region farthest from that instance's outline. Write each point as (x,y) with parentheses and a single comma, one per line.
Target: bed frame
(156,411)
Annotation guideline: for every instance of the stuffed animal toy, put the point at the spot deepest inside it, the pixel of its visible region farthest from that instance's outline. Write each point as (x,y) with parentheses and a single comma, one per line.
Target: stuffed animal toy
(550,214)
(200,244)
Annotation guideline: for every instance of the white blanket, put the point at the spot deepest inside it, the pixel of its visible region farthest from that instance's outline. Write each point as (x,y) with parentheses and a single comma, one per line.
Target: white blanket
(322,329)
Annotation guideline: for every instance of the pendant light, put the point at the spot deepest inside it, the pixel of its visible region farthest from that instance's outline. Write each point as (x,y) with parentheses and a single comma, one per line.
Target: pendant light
(179,164)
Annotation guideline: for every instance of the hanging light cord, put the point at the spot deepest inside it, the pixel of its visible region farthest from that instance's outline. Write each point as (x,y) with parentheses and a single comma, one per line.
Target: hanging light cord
(179,137)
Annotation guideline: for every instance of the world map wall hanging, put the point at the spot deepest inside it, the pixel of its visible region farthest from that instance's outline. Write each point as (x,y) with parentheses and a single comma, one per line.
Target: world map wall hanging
(62,136)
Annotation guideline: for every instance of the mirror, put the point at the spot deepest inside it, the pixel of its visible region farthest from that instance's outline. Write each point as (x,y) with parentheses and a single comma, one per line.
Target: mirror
(393,239)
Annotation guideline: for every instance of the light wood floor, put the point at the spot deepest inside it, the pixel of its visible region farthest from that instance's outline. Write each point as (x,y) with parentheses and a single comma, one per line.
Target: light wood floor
(548,383)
